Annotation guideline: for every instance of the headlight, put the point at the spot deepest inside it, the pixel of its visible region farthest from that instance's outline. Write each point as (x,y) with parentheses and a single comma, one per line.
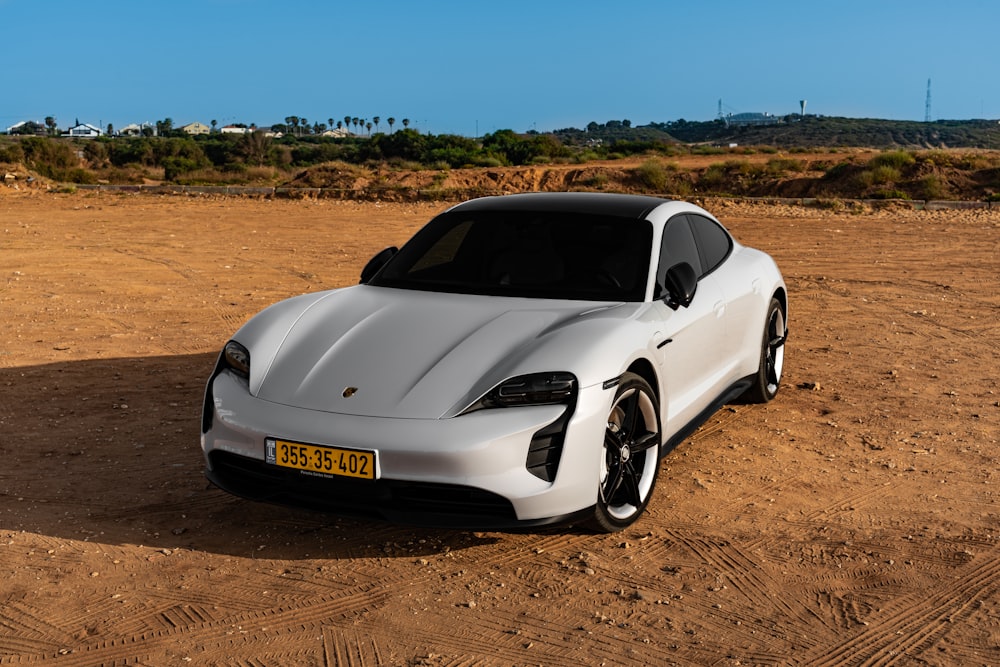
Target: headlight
(534,389)
(237,358)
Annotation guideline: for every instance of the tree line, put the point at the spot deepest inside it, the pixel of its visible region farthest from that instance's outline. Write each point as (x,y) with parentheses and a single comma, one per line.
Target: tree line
(295,125)
(180,155)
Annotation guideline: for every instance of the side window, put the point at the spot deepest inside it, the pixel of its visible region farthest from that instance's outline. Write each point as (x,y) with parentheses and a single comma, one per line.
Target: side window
(678,246)
(713,241)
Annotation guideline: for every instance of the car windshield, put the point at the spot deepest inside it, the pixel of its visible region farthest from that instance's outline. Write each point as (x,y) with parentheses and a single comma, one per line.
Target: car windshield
(547,255)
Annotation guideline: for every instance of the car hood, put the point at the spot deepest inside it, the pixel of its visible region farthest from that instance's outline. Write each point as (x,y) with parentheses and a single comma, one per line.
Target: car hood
(384,352)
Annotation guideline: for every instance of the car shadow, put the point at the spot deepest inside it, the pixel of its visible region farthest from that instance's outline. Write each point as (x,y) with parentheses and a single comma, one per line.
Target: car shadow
(107,451)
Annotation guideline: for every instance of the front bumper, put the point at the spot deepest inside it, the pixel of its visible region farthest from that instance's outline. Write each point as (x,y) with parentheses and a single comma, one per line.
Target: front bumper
(470,471)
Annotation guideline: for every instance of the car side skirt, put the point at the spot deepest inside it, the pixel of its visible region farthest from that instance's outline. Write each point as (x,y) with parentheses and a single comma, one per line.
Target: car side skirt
(733,392)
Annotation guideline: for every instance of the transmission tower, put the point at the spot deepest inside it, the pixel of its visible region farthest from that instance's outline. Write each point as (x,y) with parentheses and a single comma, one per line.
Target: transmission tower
(927,106)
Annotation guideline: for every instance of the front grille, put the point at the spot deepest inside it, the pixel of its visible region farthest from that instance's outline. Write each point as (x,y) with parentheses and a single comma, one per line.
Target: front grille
(388,499)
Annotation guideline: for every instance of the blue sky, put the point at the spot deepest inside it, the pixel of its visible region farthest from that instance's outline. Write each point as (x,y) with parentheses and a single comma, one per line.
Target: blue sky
(475,67)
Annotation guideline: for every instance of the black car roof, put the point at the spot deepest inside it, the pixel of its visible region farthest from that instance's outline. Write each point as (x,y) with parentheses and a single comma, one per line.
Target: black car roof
(594,203)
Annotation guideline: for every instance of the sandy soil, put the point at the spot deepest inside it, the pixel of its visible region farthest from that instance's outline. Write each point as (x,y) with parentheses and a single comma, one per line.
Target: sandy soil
(853,520)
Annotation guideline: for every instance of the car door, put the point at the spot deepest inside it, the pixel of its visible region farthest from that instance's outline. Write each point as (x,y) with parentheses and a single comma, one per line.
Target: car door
(740,292)
(692,340)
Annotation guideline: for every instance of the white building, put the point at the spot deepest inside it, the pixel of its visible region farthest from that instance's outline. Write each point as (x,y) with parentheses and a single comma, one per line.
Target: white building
(83,131)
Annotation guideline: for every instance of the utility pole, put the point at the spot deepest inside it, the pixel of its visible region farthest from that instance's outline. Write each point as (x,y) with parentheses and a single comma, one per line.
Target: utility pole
(927,106)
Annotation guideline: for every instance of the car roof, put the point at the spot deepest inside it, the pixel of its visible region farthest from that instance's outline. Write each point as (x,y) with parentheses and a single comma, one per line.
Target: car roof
(595,203)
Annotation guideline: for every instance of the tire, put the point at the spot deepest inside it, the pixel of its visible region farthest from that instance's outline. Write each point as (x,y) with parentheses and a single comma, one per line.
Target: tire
(631,457)
(772,356)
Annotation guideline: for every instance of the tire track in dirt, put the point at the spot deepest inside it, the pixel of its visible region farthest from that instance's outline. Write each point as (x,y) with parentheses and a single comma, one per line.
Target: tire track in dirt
(908,319)
(25,631)
(845,504)
(230,314)
(347,647)
(481,639)
(255,628)
(916,622)
(727,566)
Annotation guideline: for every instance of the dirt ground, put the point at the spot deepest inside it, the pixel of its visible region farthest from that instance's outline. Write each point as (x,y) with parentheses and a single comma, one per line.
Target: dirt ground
(853,520)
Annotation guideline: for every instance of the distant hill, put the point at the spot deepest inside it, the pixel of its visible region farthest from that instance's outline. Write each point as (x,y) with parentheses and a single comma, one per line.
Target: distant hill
(802,132)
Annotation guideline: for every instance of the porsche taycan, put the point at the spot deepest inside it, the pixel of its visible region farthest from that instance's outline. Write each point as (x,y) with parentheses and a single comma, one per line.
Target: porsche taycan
(522,360)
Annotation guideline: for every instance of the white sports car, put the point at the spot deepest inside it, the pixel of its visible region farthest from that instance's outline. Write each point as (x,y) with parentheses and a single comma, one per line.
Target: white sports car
(522,360)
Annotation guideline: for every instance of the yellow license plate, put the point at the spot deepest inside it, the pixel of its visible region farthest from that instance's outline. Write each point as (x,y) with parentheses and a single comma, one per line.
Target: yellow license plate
(321,460)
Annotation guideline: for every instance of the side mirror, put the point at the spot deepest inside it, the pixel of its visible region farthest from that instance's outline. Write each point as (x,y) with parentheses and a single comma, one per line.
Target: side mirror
(681,285)
(376,263)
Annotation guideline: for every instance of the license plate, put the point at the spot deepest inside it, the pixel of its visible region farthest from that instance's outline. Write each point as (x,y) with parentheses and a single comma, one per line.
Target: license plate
(321,460)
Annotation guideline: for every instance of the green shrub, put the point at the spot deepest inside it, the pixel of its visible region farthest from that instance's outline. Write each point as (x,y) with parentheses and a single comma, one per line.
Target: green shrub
(488,161)
(12,153)
(881,175)
(708,150)
(780,165)
(653,175)
(174,167)
(77,175)
(895,159)
(598,181)
(742,168)
(931,187)
(888,194)
(713,177)
(49,157)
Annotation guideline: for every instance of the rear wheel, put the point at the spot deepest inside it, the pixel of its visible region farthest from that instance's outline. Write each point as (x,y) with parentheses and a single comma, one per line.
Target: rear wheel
(631,457)
(772,356)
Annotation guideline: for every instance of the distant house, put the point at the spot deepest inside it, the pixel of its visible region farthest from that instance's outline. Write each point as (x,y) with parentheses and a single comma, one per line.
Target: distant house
(196,128)
(83,131)
(27,127)
(337,132)
(133,130)
(235,129)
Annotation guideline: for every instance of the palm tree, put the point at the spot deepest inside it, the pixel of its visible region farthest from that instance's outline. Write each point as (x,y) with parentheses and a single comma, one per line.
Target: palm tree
(214,123)
(376,119)
(406,122)
(305,124)
(355,120)
(347,122)
(50,122)
(369,126)
(329,122)
(391,121)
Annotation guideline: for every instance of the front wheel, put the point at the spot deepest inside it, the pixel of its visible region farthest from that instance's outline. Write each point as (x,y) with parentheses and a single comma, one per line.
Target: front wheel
(631,456)
(772,356)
